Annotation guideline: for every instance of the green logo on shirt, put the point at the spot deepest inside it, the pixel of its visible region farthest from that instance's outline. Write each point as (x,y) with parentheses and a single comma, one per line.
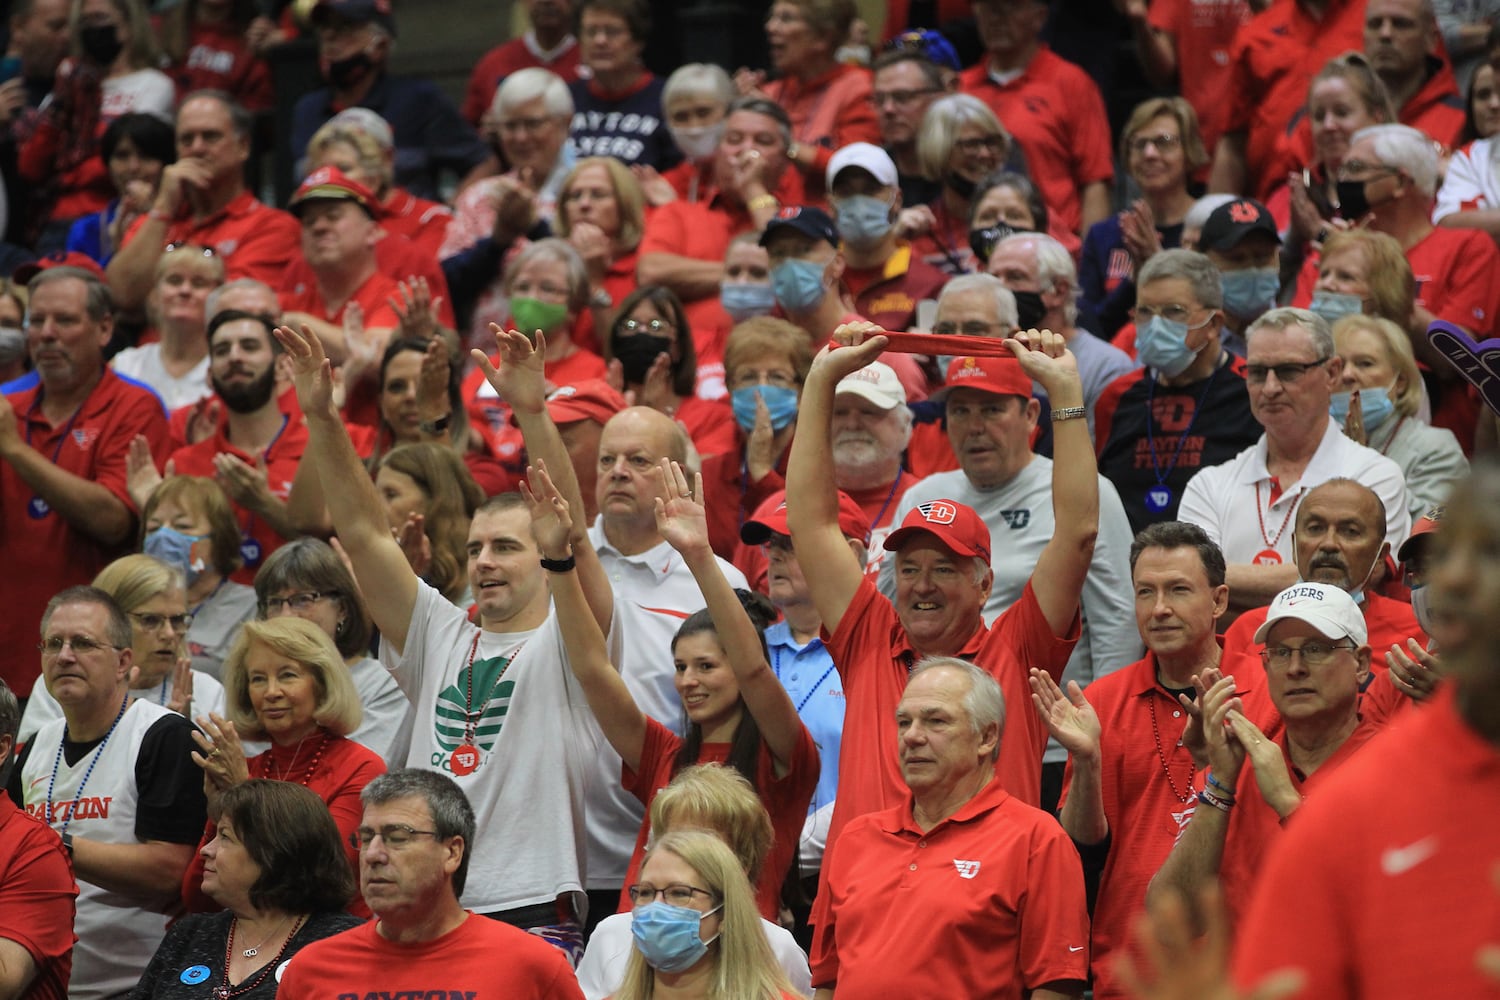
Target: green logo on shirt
(490,703)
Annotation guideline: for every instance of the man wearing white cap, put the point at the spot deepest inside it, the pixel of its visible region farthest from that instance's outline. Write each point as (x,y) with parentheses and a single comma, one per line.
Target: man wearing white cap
(871,428)
(1316,654)
(880,272)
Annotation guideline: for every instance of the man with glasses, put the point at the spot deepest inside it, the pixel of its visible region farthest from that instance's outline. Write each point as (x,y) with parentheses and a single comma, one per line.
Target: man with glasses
(115,778)
(962,889)
(1316,656)
(414,843)
(906,82)
(1185,409)
(1052,107)
(1247,504)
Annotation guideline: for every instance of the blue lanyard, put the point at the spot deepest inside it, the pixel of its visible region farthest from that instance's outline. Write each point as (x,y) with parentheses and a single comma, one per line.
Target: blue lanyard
(36,401)
(1156,470)
(98,752)
(776,668)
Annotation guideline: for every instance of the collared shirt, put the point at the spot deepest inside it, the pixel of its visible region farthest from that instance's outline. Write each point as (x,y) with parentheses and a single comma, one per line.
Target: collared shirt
(808,674)
(254,240)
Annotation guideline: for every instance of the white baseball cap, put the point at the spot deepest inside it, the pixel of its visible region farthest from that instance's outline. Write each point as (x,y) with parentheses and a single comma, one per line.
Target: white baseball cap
(1328,609)
(867,157)
(875,382)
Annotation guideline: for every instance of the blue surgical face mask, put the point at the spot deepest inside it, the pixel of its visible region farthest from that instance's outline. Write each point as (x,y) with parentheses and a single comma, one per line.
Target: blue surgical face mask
(1247,294)
(173,547)
(745,301)
(668,937)
(1375,405)
(862,220)
(781,402)
(1162,345)
(1334,306)
(798,285)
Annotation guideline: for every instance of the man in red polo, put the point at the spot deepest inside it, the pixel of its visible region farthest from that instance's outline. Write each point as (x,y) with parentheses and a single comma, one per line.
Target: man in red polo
(960,890)
(1131,777)
(203,200)
(64,432)
(339,234)
(255,452)
(1052,108)
(1316,654)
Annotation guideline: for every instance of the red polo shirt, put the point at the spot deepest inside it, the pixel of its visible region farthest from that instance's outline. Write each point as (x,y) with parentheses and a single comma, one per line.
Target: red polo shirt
(257,539)
(37,899)
(42,552)
(1381,887)
(419,220)
(302,295)
(889,294)
(255,240)
(988,903)
(1203,34)
(1056,113)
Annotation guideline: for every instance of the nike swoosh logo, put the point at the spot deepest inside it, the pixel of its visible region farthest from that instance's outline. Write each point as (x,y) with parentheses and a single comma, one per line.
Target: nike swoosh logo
(1400,860)
(1071,948)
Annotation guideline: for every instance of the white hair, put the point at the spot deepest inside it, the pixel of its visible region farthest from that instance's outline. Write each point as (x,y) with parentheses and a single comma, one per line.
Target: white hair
(1005,301)
(1053,264)
(1406,149)
(526,85)
(698,80)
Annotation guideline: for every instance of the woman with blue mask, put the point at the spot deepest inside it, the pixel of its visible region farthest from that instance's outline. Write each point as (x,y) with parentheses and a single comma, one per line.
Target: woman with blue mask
(189,524)
(695,929)
(1381,372)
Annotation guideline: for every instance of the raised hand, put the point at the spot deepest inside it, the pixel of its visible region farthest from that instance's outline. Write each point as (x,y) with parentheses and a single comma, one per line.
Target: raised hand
(312,372)
(657,189)
(417,308)
(1414,671)
(1226,754)
(852,346)
(1071,720)
(181,698)
(433,402)
(1192,735)
(247,485)
(1044,356)
(1266,759)
(141,477)
(1354,423)
(415,545)
(760,448)
(521,378)
(220,755)
(551,518)
(680,517)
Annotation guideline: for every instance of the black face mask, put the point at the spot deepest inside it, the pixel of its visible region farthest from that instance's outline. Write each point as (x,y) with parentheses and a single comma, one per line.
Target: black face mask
(1029,309)
(961,186)
(983,241)
(349,70)
(100,43)
(637,353)
(1353,205)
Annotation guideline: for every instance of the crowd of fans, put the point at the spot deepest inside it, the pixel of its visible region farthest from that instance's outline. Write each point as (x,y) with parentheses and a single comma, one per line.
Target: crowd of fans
(846,528)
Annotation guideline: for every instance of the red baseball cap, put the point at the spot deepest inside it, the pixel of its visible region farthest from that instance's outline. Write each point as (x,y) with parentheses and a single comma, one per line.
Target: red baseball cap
(770,518)
(58,258)
(332,184)
(1003,376)
(590,399)
(955,525)
(1425,525)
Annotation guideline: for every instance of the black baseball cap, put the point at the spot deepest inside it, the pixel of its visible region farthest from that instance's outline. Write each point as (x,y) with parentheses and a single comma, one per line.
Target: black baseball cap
(811,222)
(1230,223)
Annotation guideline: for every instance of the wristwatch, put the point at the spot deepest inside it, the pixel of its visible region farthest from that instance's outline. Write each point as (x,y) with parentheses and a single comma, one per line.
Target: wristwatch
(601,299)
(438,426)
(67,839)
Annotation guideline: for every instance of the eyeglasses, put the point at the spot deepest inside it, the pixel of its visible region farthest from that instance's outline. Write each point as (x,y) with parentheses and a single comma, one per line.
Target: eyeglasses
(901,98)
(153,623)
(395,836)
(296,602)
(82,645)
(605,31)
(980,144)
(653,326)
(973,328)
(1286,374)
(511,126)
(676,894)
(203,251)
(744,379)
(1314,654)
(1172,314)
(1163,142)
(1354,170)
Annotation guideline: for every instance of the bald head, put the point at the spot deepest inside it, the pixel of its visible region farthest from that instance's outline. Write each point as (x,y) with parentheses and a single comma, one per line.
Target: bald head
(631,448)
(1340,534)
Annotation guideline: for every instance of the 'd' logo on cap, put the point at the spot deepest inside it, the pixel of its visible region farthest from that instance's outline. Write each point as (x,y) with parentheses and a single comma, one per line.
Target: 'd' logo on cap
(1243,211)
(938,512)
(320,176)
(790,212)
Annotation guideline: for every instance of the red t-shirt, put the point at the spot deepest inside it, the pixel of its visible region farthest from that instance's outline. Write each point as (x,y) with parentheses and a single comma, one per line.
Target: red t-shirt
(989,903)
(828,113)
(785,798)
(710,423)
(396,257)
(255,240)
(423,222)
(43,552)
(219,58)
(37,898)
(1403,838)
(1202,34)
(373,297)
(1054,110)
(503,60)
(257,538)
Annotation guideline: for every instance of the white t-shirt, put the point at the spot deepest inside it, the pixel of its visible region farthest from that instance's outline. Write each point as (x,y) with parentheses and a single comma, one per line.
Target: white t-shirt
(654,592)
(42,708)
(536,740)
(386,725)
(1232,502)
(146,91)
(216,622)
(144,365)
(602,970)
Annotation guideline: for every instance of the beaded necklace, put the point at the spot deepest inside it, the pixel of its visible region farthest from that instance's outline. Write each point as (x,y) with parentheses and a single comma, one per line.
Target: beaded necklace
(264,761)
(1161,755)
(223,991)
(98,752)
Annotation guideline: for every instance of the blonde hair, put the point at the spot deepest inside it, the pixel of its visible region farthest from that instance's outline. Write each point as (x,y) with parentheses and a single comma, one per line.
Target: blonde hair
(768,335)
(1388,275)
(744,966)
(1187,127)
(367,151)
(629,199)
(135,579)
(720,800)
(338,709)
(940,127)
(1397,351)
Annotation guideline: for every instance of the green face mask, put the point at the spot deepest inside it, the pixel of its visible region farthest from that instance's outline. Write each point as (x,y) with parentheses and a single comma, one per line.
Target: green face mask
(530,315)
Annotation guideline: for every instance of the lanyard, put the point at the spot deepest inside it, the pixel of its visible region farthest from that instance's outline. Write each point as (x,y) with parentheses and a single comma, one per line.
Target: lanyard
(776,668)
(88,772)
(36,401)
(1156,469)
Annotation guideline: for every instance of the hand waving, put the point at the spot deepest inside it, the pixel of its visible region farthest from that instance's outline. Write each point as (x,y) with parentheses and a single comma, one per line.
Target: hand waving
(679,517)
(521,378)
(312,372)
(1071,720)
(551,519)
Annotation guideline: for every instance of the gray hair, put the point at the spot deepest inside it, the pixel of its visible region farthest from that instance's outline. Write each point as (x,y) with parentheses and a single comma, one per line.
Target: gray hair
(97,301)
(526,85)
(1197,216)
(1406,149)
(1005,299)
(555,248)
(10,722)
(940,127)
(1189,265)
(239,118)
(984,703)
(1287,316)
(1053,264)
(211,304)
(452,815)
(117,626)
(772,110)
(698,80)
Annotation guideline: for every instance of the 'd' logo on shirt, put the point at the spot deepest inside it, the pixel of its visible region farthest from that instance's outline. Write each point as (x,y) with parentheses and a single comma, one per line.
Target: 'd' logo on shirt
(966,869)
(938,512)
(486,710)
